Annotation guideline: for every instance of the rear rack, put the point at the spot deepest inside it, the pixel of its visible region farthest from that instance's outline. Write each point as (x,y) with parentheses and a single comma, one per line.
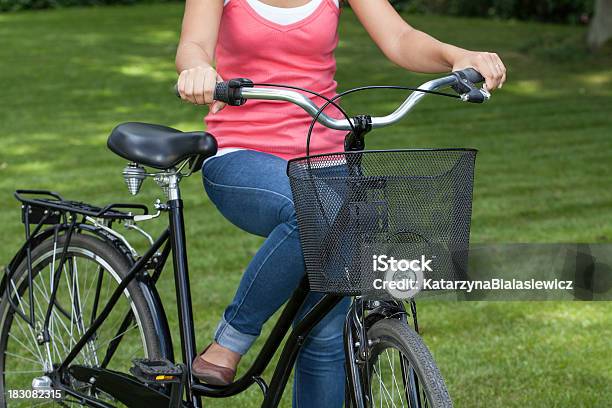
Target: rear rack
(50,206)
(42,207)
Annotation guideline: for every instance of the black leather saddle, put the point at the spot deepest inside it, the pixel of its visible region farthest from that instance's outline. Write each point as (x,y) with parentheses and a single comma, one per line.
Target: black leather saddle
(160,147)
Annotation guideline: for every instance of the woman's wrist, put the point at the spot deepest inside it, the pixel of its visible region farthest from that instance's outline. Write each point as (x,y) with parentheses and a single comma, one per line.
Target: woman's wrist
(197,64)
(488,64)
(453,55)
(191,56)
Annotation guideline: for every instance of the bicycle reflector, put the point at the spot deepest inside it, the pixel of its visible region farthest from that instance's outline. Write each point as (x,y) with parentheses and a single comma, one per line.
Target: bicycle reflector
(134,175)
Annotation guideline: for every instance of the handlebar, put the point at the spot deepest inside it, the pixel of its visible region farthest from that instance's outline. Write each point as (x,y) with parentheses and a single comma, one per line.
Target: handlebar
(236,92)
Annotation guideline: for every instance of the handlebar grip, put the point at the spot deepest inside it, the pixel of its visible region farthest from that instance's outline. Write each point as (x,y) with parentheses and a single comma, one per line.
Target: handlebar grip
(222,92)
(229,92)
(472,75)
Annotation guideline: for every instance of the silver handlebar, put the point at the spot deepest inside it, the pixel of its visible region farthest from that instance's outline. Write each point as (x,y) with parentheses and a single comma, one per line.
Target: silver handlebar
(343,124)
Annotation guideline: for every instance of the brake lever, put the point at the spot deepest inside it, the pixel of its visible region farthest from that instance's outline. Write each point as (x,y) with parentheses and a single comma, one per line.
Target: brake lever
(476,95)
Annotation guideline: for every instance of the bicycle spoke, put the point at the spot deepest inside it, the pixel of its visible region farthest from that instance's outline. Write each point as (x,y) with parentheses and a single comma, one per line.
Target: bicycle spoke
(383,390)
(386,392)
(52,321)
(398,385)
(90,287)
(12,336)
(33,336)
(80,323)
(8,353)
(78,297)
(394,384)
(45,294)
(106,342)
(36,352)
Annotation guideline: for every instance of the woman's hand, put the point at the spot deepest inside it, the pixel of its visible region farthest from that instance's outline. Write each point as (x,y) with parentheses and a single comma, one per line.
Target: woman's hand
(488,64)
(197,85)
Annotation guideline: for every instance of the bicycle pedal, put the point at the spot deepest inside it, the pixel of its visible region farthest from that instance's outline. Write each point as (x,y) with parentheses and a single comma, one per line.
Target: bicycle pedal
(156,371)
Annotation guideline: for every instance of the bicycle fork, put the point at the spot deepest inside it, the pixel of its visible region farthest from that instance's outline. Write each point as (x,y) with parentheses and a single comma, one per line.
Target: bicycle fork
(357,344)
(354,396)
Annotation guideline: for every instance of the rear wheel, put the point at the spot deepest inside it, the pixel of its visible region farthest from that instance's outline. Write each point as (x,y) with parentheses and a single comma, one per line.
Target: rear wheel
(400,371)
(93,269)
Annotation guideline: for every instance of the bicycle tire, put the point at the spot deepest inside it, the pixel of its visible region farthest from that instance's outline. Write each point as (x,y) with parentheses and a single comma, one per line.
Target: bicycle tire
(397,334)
(116,266)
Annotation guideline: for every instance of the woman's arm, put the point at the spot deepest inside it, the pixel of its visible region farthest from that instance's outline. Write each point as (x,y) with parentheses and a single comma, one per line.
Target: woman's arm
(417,51)
(195,53)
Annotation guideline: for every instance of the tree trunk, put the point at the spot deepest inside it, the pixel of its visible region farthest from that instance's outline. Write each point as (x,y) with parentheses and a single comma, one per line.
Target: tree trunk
(601,27)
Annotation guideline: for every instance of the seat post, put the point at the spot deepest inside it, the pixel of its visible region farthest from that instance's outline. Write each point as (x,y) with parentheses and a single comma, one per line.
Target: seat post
(181,279)
(174,192)
(169,182)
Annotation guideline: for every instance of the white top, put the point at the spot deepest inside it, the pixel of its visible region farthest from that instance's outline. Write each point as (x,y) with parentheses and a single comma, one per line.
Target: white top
(284,15)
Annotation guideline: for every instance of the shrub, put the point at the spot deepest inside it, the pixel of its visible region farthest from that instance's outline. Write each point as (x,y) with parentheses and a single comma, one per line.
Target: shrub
(542,10)
(562,11)
(15,5)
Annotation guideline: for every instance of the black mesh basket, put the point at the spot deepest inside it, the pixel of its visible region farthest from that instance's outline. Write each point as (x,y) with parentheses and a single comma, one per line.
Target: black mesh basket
(354,207)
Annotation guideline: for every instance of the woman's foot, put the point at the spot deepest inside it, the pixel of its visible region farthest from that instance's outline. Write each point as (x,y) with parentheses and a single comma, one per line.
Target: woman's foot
(216,365)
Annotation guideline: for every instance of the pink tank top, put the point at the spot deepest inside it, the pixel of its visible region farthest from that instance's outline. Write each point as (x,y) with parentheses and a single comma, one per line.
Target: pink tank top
(299,54)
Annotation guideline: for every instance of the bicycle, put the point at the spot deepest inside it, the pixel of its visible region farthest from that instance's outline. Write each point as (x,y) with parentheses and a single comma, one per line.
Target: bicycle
(56,334)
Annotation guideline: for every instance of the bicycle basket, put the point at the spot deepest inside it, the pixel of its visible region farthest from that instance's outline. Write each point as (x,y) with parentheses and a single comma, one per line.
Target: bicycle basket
(357,211)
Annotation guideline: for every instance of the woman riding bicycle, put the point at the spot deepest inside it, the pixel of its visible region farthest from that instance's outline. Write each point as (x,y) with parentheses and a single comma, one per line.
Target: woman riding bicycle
(293,42)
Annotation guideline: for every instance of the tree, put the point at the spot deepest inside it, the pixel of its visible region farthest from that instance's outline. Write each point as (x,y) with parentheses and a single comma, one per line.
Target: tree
(601,27)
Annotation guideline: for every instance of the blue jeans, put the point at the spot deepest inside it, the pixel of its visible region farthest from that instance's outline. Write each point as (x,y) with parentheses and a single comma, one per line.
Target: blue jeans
(251,189)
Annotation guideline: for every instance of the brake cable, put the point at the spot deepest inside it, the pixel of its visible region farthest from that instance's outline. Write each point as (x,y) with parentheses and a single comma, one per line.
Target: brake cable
(325,98)
(364,88)
(331,101)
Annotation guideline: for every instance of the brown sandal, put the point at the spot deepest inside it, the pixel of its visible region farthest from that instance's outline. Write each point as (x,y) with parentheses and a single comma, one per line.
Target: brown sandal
(211,373)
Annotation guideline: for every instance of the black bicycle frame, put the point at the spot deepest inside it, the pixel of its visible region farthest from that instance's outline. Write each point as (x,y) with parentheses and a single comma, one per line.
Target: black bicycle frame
(175,236)
(173,240)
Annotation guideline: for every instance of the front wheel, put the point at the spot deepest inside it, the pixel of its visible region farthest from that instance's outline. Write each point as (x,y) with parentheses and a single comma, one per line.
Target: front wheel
(400,371)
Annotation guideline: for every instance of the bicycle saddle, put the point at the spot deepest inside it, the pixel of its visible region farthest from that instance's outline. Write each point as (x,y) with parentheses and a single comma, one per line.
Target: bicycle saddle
(160,147)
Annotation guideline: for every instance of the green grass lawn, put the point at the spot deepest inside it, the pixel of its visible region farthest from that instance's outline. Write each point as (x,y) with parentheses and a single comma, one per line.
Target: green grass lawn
(544,174)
